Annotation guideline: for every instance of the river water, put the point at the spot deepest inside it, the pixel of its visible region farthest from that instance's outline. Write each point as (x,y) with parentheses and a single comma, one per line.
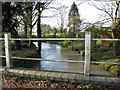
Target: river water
(57,52)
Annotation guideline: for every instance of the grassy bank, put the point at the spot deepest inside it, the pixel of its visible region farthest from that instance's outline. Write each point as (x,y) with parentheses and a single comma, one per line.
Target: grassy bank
(106,55)
(115,69)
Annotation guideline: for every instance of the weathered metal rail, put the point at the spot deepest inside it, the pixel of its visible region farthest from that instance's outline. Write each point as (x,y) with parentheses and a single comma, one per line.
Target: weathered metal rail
(1,38)
(56,39)
(38,59)
(74,61)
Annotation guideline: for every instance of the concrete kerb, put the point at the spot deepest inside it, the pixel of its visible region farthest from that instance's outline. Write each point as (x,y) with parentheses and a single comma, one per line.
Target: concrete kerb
(27,74)
(50,75)
(38,74)
(60,76)
(57,76)
(64,77)
(71,77)
(97,80)
(44,75)
(79,78)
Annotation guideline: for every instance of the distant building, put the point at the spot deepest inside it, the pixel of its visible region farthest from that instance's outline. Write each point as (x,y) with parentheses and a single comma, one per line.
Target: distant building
(107,35)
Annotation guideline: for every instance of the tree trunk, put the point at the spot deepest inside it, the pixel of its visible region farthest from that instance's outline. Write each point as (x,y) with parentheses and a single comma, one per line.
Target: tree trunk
(30,35)
(116,34)
(25,29)
(14,34)
(54,32)
(30,22)
(61,30)
(39,29)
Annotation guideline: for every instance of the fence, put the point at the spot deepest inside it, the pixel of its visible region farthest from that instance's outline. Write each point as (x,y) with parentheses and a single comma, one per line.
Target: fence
(87,62)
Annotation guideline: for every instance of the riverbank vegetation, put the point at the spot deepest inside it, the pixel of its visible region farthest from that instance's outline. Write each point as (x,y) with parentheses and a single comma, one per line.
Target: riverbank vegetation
(26,52)
(115,69)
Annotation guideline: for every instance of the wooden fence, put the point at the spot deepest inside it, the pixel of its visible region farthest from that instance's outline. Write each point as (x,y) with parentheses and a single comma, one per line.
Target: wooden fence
(87,62)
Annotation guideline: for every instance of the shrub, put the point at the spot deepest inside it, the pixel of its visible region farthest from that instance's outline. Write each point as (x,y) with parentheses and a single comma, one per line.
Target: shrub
(102,53)
(99,42)
(48,36)
(34,36)
(66,43)
(66,35)
(115,69)
(25,45)
(78,45)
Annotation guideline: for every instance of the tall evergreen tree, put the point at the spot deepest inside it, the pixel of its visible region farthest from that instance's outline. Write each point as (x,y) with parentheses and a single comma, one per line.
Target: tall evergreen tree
(74,19)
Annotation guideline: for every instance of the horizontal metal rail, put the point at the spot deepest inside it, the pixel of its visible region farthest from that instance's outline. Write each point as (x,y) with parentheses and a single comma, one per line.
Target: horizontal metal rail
(2,56)
(38,59)
(94,62)
(1,38)
(63,39)
(34,39)
(105,39)
(47,39)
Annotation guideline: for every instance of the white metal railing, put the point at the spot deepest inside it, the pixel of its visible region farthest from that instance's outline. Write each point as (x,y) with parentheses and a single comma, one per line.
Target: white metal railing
(75,61)
(1,38)
(47,39)
(87,62)
(42,39)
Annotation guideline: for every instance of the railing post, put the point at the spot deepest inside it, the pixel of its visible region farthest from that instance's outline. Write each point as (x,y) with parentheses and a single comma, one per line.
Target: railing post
(87,53)
(8,50)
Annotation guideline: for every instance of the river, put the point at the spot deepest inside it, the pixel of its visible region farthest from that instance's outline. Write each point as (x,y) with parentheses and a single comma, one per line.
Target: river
(57,52)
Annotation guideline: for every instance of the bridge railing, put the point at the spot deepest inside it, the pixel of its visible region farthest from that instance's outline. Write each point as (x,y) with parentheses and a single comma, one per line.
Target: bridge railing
(87,62)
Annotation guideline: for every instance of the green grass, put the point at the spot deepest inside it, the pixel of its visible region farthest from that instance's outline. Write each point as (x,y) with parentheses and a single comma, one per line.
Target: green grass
(107,55)
(0,43)
(115,69)
(3,43)
(102,53)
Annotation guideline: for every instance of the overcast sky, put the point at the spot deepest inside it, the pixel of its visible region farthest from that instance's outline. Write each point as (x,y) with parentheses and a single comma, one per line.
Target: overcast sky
(87,13)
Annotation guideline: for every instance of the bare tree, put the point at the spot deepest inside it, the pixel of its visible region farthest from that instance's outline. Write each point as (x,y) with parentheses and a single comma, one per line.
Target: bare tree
(61,15)
(46,29)
(111,11)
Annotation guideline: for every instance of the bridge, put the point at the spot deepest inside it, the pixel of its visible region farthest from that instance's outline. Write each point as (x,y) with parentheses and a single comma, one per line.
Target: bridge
(86,76)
